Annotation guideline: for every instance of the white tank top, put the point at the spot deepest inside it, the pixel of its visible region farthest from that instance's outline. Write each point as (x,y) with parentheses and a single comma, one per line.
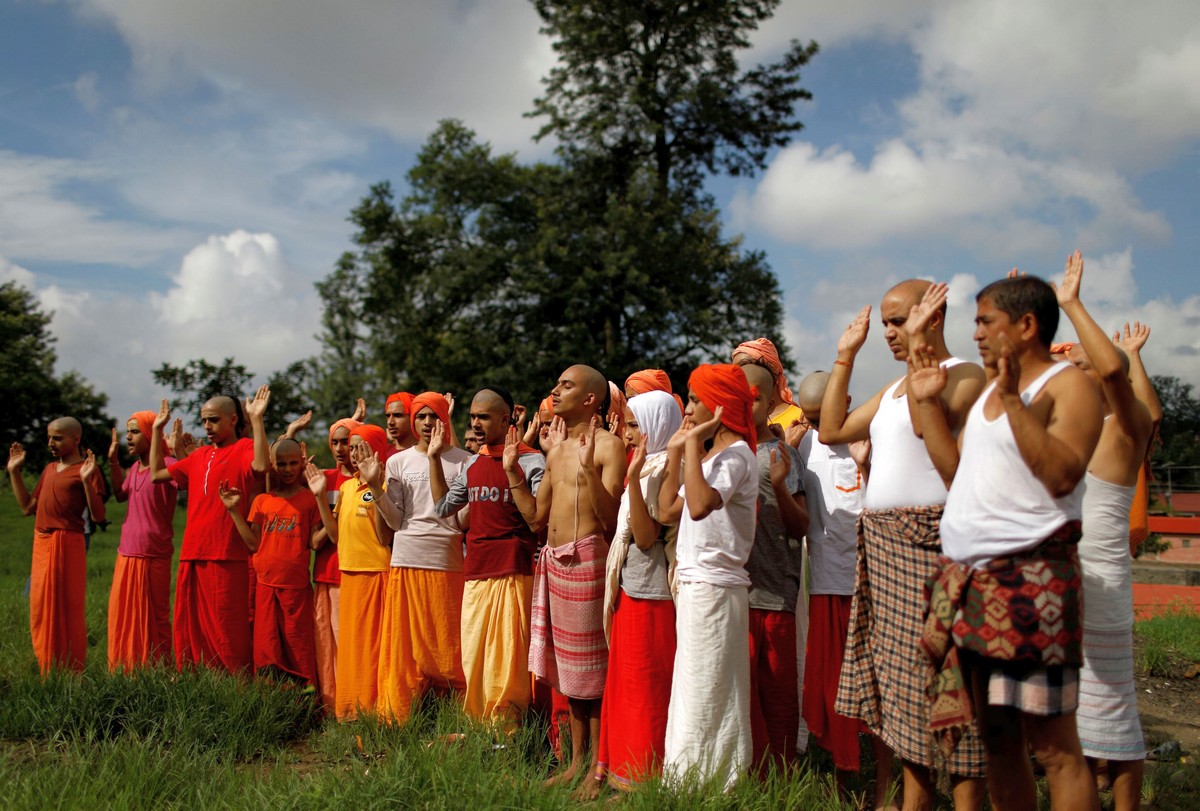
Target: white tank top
(996,506)
(1104,555)
(902,474)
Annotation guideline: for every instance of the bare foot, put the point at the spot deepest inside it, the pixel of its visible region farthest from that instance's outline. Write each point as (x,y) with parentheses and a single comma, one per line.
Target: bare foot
(590,789)
(563,777)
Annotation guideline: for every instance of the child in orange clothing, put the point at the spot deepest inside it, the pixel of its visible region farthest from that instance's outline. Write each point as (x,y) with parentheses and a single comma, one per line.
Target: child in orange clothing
(282,528)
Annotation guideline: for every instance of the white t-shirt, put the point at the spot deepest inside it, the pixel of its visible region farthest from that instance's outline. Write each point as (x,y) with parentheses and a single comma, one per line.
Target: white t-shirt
(834,489)
(715,549)
(424,541)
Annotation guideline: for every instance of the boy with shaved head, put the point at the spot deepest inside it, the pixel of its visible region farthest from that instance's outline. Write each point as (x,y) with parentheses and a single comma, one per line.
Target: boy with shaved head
(785,413)
(500,484)
(577,504)
(212,587)
(68,484)
(881,680)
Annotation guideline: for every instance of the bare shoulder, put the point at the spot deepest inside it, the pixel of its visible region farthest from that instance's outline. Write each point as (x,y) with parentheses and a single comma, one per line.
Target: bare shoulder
(610,446)
(966,372)
(1072,395)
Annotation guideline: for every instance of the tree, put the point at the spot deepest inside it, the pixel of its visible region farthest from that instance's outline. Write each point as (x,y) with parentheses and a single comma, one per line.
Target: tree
(1179,433)
(488,269)
(34,395)
(198,381)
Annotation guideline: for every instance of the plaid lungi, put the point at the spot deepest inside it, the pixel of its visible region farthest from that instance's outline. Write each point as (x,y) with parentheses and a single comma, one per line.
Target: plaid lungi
(884,671)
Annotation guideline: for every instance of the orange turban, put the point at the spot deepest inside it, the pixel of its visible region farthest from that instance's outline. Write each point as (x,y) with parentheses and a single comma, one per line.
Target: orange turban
(763,350)
(725,385)
(652,380)
(547,405)
(434,401)
(376,437)
(403,397)
(616,407)
(145,421)
(346,423)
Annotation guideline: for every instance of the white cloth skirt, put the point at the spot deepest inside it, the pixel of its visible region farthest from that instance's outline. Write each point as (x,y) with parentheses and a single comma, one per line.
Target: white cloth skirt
(1107,717)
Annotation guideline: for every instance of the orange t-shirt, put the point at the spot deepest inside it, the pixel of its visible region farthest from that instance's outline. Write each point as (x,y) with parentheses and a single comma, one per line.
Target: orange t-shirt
(61,499)
(285,529)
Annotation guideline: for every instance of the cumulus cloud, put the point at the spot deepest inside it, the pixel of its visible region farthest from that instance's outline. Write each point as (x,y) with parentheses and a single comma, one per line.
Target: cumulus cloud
(398,66)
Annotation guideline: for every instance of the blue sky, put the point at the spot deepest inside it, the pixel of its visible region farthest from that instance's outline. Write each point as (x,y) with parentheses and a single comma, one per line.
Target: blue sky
(175,176)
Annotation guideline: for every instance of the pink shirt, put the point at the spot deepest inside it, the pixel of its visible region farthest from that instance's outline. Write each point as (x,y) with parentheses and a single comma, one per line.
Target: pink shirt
(147,531)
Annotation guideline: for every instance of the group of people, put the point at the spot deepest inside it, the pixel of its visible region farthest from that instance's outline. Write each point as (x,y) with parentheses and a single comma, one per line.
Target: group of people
(704,583)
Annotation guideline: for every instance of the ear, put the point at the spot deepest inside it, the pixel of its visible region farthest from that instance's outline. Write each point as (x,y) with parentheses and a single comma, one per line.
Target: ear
(1027,327)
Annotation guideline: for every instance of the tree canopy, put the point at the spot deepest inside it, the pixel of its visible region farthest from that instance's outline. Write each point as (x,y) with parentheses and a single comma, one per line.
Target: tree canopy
(490,269)
(198,381)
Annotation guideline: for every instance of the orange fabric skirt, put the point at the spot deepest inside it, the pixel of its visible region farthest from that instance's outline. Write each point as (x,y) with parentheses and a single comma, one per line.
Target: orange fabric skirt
(139,613)
(57,584)
(420,647)
(212,619)
(364,595)
(326,600)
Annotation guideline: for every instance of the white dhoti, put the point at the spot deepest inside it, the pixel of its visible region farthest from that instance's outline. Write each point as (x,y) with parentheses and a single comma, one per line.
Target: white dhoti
(708,722)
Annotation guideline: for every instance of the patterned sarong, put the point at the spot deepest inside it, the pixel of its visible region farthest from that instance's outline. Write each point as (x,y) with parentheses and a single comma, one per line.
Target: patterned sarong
(1026,608)
(884,673)
(567,646)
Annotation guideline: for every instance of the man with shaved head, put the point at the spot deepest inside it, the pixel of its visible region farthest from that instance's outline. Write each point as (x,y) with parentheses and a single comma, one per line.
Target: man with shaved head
(882,680)
(67,486)
(212,586)
(500,484)
(577,504)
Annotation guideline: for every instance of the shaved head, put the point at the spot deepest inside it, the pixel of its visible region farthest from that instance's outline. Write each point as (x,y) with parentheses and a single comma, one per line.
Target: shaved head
(910,290)
(66,425)
(590,379)
(488,400)
(812,391)
(286,445)
(761,377)
(222,404)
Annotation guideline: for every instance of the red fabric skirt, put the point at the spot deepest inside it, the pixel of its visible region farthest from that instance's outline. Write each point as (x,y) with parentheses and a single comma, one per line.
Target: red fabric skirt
(774,699)
(283,632)
(828,622)
(637,692)
(212,618)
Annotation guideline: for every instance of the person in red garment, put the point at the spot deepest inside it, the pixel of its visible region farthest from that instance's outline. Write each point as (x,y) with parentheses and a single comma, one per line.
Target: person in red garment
(212,611)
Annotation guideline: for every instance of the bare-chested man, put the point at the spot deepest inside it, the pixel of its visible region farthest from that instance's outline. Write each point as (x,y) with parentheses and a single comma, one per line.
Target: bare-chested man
(881,681)
(578,503)
(1010,589)
(1107,718)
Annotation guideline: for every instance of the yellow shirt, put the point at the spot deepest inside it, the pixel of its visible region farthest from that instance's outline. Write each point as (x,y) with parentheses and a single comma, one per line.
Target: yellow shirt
(789,416)
(359,549)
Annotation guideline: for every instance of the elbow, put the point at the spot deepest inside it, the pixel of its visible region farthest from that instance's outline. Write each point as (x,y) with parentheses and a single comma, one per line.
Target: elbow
(699,512)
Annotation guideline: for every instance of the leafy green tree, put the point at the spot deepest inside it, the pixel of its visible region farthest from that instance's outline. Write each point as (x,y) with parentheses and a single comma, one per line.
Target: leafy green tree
(34,395)
(489,269)
(1179,434)
(198,381)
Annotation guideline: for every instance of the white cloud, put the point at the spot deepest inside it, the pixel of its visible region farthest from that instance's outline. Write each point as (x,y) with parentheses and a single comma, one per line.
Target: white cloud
(10,272)
(87,91)
(400,66)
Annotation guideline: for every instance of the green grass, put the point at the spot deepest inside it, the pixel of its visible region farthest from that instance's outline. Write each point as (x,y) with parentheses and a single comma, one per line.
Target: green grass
(1168,642)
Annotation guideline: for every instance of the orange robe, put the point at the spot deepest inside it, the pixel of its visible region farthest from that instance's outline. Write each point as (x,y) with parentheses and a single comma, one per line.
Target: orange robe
(56,600)
(139,612)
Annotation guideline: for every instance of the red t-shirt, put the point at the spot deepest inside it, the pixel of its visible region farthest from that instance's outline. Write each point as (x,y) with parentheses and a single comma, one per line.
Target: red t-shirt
(210,533)
(286,527)
(61,500)
(499,542)
(325,567)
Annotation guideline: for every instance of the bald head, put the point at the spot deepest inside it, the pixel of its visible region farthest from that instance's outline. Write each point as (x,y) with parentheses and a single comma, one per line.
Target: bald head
(222,404)
(910,290)
(580,392)
(590,380)
(68,426)
(490,401)
(286,445)
(812,392)
(761,377)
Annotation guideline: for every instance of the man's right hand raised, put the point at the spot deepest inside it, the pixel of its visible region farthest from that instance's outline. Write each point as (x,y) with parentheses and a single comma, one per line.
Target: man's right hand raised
(855,334)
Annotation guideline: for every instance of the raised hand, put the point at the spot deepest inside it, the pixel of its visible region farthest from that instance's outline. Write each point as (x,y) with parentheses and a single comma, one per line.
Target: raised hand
(256,406)
(16,457)
(926,378)
(231,497)
(187,444)
(556,433)
(855,334)
(1068,291)
(587,445)
(705,431)
(370,469)
(163,417)
(299,424)
(360,410)
(1015,273)
(781,465)
(437,440)
(678,440)
(114,447)
(535,428)
(512,451)
(316,480)
(449,402)
(922,312)
(637,462)
(1008,369)
(519,415)
(304,453)
(860,452)
(614,422)
(1134,339)
(796,431)
(88,470)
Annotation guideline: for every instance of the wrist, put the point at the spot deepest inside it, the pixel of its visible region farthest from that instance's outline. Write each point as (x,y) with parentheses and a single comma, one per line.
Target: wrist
(845,357)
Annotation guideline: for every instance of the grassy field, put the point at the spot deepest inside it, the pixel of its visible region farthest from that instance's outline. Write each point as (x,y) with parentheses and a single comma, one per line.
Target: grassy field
(203,740)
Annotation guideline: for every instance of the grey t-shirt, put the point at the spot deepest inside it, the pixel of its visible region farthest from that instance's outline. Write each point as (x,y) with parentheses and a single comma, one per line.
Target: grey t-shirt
(645,573)
(774,564)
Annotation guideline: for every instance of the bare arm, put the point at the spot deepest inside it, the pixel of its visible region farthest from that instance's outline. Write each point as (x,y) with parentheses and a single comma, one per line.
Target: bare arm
(114,468)
(670,503)
(1132,343)
(793,507)
(700,497)
(836,425)
(316,485)
(645,529)
(604,472)
(90,474)
(158,466)
(16,459)
(535,510)
(926,383)
(255,409)
(231,497)
(388,515)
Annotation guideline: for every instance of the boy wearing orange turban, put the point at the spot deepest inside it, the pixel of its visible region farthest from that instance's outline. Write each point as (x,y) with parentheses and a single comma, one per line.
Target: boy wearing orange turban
(397,410)
(785,413)
(139,605)
(708,722)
